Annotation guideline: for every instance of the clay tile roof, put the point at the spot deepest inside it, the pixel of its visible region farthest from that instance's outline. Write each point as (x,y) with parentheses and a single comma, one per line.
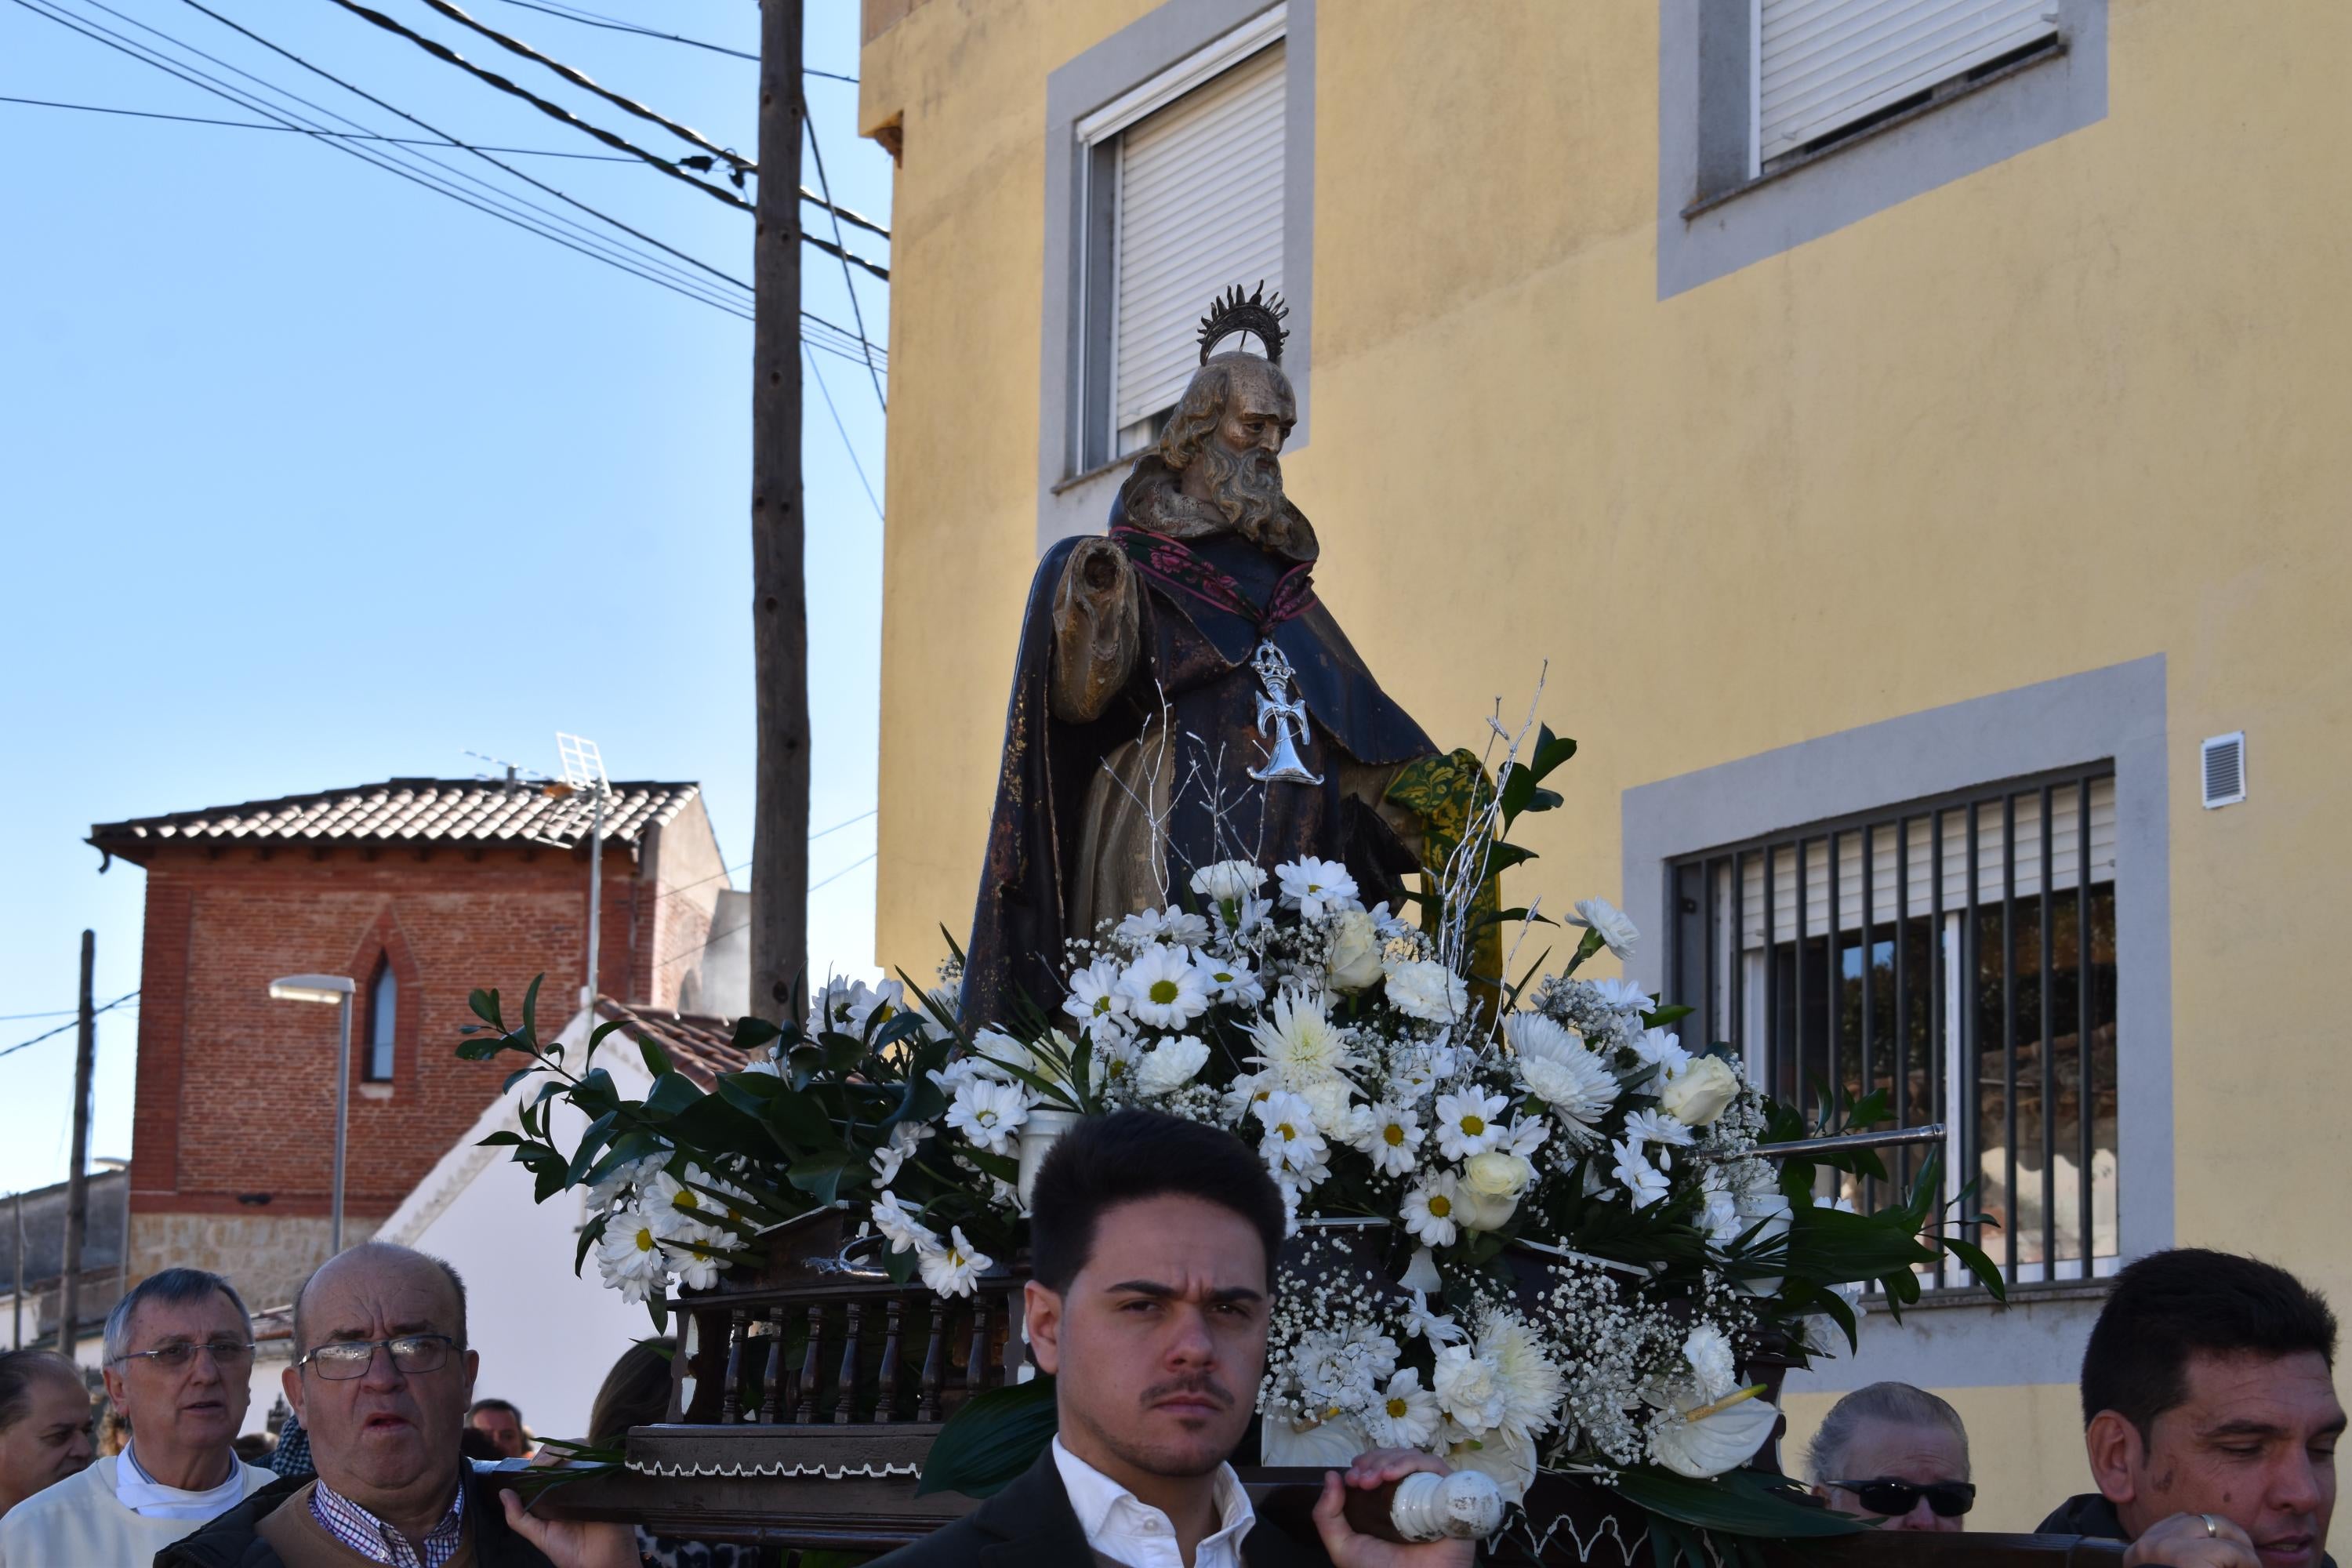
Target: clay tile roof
(698,1046)
(403,812)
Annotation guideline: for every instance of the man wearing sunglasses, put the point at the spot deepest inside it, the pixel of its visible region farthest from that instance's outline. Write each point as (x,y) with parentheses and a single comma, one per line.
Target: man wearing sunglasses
(1895,1452)
(179,1360)
(381,1379)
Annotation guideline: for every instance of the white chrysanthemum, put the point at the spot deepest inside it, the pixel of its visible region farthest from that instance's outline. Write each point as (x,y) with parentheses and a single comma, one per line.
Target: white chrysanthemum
(1177,927)
(1405,1417)
(1232,879)
(1656,1127)
(1314,888)
(954,1270)
(848,1006)
(1389,1134)
(1094,999)
(1297,1043)
(696,1269)
(1428,1210)
(1558,1069)
(1427,989)
(1708,1349)
(1531,1382)
(1643,1182)
(1468,1122)
(623,1179)
(1243,1094)
(1163,989)
(1622,995)
(1229,980)
(629,1255)
(1437,1328)
(1658,1048)
(1292,1140)
(684,1214)
(1469,1387)
(1171,1065)
(904,1140)
(1617,932)
(988,1112)
(902,1226)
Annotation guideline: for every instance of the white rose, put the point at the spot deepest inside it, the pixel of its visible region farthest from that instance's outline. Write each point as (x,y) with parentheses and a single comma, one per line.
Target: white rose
(1700,1091)
(1619,933)
(1427,991)
(1475,1210)
(1498,1173)
(1353,961)
(1233,879)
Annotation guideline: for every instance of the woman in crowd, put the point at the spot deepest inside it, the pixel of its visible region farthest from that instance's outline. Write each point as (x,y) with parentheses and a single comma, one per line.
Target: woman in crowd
(1896,1453)
(44,1423)
(636,1394)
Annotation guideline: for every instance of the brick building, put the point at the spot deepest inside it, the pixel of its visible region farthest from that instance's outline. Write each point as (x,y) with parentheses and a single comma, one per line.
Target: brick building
(420,889)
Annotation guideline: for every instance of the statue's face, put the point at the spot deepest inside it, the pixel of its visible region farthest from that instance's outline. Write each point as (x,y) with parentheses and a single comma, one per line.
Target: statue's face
(1238,467)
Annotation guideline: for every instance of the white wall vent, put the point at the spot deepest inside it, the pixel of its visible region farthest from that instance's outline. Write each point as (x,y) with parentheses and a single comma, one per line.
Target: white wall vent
(2224,765)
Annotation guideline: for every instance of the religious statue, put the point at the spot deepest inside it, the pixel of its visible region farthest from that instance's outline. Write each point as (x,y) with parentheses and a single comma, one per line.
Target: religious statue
(1182,696)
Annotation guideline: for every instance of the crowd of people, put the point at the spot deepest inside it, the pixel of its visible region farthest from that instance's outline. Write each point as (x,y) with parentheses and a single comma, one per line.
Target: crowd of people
(2209,1413)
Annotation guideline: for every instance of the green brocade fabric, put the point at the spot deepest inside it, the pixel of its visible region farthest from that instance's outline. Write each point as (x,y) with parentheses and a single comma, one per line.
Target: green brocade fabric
(1447,793)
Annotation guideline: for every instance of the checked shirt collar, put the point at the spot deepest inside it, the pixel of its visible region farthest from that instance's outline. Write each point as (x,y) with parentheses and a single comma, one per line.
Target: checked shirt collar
(377,1541)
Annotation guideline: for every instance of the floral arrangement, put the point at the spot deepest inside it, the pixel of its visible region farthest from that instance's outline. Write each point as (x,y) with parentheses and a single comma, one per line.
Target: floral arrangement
(1533,1230)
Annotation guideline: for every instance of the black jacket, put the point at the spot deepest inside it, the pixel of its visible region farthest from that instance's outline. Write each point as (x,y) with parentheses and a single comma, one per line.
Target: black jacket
(1031,1522)
(234,1540)
(2092,1515)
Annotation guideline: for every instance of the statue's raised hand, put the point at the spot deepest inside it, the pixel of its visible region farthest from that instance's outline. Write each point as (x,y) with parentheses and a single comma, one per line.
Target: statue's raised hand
(1095,629)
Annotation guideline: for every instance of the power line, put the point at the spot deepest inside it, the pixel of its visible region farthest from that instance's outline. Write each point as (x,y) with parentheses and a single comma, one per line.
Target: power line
(626,260)
(846,445)
(716,938)
(699,882)
(590,19)
(350,135)
(110,1008)
(52,1013)
(848,283)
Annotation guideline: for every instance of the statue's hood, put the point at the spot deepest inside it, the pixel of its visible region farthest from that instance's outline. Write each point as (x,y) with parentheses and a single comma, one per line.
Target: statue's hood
(1149,499)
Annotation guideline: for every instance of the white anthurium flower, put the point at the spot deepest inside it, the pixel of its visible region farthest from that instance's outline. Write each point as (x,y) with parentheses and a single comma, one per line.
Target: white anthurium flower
(1703,1439)
(1352,962)
(1391,1135)
(1427,989)
(954,1270)
(1292,1142)
(1619,933)
(1656,1127)
(1163,989)
(1420,1276)
(1406,1415)
(1469,1122)
(1560,1070)
(1659,1050)
(1095,998)
(1429,1210)
(1506,1460)
(629,1255)
(1330,1443)
(1643,1182)
(902,1226)
(988,1112)
(1469,1386)
(1229,981)
(1169,1066)
(1229,880)
(1298,1043)
(1437,1328)
(1531,1382)
(1314,888)
(1700,1091)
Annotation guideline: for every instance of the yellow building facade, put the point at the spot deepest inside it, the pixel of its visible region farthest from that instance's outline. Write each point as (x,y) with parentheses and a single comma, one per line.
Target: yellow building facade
(1874,457)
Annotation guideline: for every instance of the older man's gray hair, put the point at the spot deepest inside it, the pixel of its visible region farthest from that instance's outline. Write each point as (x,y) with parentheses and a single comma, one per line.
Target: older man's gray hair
(170,1287)
(1896,1404)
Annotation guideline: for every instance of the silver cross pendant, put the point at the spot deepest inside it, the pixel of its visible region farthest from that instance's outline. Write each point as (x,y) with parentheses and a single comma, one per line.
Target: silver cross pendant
(1281,716)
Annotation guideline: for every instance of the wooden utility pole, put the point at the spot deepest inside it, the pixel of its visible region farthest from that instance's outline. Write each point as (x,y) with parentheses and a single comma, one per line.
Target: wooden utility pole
(778,583)
(77,1175)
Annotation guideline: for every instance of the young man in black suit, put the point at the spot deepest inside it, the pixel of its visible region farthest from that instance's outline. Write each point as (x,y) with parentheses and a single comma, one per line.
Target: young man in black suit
(1153,1243)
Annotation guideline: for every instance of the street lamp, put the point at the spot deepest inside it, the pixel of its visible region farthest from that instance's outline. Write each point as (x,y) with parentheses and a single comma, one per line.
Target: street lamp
(335,989)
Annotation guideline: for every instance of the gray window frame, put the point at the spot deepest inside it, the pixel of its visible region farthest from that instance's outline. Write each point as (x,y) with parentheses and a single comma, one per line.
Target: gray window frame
(1714,218)
(1074,493)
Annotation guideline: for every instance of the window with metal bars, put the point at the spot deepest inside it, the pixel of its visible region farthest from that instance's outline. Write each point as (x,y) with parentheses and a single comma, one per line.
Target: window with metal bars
(1959,955)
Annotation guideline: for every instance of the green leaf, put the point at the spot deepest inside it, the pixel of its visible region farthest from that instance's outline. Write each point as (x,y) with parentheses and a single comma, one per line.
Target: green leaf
(590,1235)
(1738,1502)
(1660,1017)
(590,1142)
(594,1093)
(503,1138)
(484,1001)
(530,1008)
(672,1092)
(482,1050)
(819,1175)
(1519,788)
(596,1038)
(988,1443)
(1987,1272)
(753,1033)
(1550,752)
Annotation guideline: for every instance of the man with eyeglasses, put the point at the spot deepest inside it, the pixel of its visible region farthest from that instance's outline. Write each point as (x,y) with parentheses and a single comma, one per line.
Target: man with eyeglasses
(179,1358)
(381,1380)
(1895,1453)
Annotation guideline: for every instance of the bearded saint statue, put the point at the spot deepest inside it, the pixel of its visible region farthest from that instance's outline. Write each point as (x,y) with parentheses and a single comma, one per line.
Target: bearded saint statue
(1183,697)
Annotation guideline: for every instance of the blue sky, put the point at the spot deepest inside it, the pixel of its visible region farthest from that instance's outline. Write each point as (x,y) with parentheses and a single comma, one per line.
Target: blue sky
(311,477)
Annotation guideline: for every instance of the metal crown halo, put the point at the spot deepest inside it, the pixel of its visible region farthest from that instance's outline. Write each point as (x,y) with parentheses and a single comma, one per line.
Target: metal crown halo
(1260,314)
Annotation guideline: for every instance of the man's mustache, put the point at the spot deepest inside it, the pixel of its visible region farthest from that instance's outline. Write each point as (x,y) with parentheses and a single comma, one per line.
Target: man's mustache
(1200,1383)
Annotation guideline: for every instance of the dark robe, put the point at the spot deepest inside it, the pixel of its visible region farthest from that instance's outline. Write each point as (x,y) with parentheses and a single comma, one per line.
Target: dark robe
(1197,659)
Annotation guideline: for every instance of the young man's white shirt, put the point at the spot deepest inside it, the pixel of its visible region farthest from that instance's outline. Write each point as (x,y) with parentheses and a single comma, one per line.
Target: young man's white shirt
(1124,1528)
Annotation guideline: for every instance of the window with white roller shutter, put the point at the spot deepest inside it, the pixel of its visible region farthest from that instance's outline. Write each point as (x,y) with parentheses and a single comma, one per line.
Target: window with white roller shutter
(1822,66)
(1185,200)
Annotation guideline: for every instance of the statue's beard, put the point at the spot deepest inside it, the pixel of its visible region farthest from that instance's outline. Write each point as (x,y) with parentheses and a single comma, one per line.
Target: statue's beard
(1247,489)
